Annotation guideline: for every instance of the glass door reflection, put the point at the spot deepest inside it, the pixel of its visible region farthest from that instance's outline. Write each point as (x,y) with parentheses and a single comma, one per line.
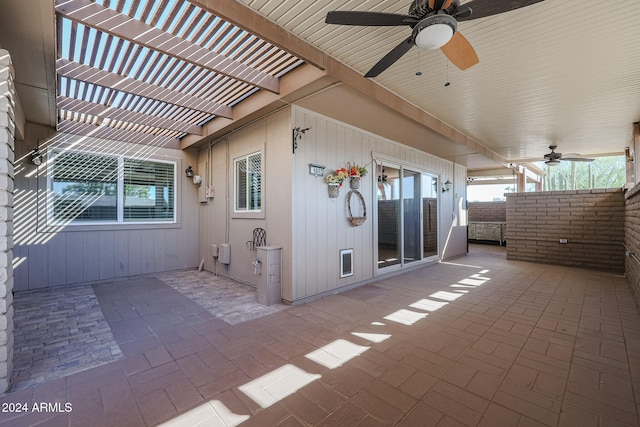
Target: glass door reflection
(389,220)
(429,215)
(411,216)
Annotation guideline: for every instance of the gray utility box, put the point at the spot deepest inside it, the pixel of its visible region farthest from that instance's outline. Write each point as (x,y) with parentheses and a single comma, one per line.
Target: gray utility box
(269,281)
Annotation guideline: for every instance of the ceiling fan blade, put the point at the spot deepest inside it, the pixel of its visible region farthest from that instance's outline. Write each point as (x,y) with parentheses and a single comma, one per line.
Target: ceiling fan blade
(575,157)
(460,52)
(484,8)
(391,57)
(364,18)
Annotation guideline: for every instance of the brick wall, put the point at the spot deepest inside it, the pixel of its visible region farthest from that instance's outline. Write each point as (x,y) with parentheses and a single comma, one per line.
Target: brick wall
(487,211)
(7,135)
(592,221)
(632,240)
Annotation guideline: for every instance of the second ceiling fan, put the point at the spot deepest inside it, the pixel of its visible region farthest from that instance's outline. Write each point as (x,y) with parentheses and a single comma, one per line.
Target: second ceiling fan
(434,24)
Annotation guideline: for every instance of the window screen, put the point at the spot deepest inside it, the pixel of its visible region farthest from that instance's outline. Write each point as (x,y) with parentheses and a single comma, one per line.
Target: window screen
(148,191)
(84,187)
(248,172)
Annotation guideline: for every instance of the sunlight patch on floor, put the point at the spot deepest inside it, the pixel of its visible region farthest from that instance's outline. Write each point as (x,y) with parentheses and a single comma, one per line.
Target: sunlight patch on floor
(447,296)
(336,353)
(371,336)
(428,305)
(277,384)
(213,413)
(406,317)
(472,282)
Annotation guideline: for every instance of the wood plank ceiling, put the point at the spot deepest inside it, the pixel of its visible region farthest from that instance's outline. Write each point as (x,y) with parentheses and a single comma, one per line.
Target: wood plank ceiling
(154,71)
(556,72)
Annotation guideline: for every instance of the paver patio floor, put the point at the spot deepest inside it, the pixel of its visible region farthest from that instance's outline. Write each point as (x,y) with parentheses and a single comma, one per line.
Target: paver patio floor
(475,341)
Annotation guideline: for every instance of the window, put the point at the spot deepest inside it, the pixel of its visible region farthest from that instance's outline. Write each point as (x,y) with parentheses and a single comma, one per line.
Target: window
(90,188)
(148,191)
(248,173)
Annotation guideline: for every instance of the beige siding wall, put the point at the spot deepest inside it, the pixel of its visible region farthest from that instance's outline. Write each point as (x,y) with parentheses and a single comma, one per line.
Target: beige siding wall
(298,215)
(592,221)
(320,225)
(217,221)
(49,256)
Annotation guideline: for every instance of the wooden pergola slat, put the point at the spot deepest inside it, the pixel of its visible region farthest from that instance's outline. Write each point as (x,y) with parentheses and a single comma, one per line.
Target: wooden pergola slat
(106,132)
(125,27)
(101,110)
(76,71)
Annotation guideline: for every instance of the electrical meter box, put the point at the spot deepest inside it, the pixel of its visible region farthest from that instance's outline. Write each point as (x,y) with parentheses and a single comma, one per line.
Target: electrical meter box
(224,253)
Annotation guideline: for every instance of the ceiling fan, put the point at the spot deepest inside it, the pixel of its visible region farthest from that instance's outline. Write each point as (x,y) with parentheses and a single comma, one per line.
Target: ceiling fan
(554,158)
(434,24)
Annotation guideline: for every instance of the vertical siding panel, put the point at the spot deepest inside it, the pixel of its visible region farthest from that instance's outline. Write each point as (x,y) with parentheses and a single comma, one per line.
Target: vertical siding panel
(297,212)
(160,250)
(134,262)
(174,245)
(21,270)
(328,275)
(37,266)
(311,197)
(147,256)
(107,255)
(57,248)
(121,249)
(75,269)
(91,256)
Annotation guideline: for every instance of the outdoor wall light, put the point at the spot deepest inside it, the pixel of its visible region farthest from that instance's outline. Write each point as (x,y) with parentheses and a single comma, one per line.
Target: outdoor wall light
(189,172)
(446,186)
(36,157)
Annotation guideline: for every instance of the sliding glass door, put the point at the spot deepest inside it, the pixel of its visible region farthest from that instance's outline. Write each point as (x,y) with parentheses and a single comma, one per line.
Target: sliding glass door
(407,216)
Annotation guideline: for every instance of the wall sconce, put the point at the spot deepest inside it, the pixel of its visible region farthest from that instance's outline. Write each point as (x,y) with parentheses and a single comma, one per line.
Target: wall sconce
(36,157)
(197,179)
(296,135)
(446,186)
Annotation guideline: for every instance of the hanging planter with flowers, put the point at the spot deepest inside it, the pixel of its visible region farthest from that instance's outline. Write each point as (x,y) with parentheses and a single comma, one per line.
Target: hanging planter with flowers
(355,175)
(334,182)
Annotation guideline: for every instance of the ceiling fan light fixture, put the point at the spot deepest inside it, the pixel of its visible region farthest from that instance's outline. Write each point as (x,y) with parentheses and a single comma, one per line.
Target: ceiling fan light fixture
(552,162)
(434,31)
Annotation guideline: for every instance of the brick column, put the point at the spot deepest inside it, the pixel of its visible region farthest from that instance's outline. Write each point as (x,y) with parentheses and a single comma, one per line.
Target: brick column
(7,139)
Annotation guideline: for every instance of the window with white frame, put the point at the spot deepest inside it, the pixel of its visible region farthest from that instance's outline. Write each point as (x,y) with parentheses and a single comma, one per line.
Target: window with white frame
(94,188)
(248,187)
